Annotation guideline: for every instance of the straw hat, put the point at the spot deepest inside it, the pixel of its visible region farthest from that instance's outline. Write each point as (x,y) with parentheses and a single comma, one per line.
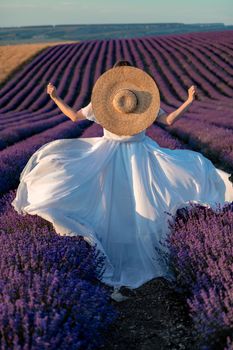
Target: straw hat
(125,100)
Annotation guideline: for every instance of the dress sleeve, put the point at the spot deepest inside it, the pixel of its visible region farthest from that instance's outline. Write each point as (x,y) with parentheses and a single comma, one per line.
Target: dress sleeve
(87,111)
(161,111)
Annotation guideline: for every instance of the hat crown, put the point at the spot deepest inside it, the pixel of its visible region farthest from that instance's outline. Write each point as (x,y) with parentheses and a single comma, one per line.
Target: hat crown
(125,101)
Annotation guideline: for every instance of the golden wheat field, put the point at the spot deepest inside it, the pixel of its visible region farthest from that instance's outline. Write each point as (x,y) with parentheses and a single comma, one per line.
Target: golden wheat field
(13,57)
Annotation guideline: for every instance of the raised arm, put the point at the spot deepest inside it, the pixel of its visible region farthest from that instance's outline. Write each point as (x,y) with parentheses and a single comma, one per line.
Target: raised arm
(169,119)
(67,110)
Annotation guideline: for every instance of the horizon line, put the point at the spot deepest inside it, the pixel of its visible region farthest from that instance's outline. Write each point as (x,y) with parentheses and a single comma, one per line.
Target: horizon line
(117,23)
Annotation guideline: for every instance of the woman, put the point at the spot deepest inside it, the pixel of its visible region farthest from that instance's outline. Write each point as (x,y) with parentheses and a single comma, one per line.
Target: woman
(114,191)
(87,112)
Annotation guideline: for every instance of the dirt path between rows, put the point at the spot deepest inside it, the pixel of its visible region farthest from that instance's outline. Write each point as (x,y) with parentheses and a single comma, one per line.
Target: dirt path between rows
(154,318)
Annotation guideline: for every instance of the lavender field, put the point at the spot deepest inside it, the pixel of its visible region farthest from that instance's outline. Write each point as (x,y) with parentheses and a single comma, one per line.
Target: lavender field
(33,312)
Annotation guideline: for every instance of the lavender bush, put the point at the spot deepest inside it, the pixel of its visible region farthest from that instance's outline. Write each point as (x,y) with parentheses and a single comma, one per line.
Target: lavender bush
(200,243)
(49,298)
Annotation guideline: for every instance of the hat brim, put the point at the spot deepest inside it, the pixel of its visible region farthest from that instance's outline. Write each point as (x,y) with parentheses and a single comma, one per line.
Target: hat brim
(136,80)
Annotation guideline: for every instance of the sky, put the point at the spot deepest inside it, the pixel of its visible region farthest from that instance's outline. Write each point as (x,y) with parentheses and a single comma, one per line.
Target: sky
(52,12)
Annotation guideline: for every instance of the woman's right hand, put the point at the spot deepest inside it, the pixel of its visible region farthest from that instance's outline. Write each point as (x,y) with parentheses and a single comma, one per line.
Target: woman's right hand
(51,90)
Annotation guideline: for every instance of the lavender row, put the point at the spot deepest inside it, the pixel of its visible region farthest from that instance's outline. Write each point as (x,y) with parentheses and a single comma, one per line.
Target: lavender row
(50,296)
(222,49)
(200,242)
(88,75)
(28,70)
(173,82)
(37,94)
(207,56)
(37,97)
(17,119)
(60,88)
(12,135)
(204,65)
(180,77)
(146,60)
(218,118)
(25,82)
(19,133)
(62,79)
(155,50)
(32,90)
(14,158)
(214,142)
(186,64)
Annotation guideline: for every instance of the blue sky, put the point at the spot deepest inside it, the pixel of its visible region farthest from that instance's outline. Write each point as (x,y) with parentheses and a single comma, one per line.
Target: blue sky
(42,12)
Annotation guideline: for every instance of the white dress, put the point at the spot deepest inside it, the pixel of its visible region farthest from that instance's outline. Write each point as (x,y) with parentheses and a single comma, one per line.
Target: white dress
(114,191)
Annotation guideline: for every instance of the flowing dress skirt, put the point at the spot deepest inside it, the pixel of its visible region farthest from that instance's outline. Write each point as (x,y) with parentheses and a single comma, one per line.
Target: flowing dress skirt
(114,192)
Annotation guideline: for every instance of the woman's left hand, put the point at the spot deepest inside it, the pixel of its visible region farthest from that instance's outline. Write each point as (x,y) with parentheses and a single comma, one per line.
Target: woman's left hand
(191,93)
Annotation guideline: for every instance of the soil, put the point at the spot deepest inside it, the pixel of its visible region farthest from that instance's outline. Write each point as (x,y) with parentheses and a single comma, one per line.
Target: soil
(155,317)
